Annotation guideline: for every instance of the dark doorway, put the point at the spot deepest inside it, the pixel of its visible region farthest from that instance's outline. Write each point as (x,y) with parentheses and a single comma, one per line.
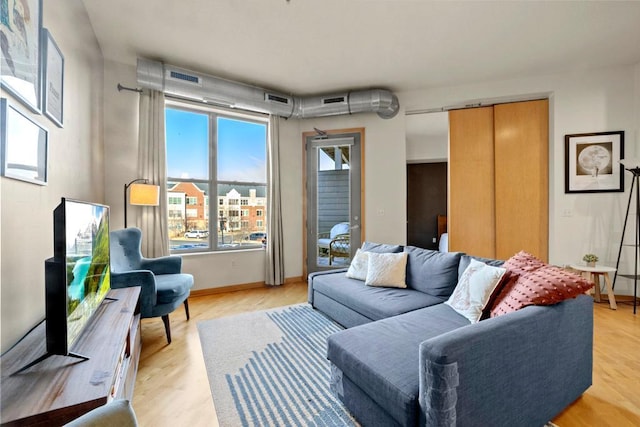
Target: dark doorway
(426,199)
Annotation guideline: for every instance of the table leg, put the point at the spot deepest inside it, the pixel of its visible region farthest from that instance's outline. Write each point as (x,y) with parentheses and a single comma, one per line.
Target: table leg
(612,297)
(596,279)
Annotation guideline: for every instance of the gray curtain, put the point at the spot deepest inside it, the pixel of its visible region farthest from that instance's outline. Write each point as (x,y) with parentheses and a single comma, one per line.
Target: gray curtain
(152,165)
(274,253)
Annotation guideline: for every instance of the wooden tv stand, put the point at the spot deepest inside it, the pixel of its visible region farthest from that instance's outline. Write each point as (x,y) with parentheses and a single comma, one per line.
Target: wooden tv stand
(60,389)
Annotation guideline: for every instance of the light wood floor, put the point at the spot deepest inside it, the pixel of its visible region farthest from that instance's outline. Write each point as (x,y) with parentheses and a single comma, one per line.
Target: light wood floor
(172,388)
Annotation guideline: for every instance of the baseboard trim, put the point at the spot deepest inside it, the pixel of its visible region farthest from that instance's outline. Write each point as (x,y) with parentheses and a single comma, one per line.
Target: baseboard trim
(240,287)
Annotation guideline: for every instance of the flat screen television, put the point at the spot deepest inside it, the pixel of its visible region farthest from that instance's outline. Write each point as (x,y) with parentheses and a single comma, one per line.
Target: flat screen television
(77,278)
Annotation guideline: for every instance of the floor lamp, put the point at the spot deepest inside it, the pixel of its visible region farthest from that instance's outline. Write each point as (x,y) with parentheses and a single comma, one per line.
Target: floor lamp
(634,185)
(140,195)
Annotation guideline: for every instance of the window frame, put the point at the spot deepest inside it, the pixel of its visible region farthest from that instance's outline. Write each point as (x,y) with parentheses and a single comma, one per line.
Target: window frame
(213,114)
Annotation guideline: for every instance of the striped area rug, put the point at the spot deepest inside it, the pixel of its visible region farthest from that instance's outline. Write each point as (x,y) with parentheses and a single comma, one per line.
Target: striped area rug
(269,368)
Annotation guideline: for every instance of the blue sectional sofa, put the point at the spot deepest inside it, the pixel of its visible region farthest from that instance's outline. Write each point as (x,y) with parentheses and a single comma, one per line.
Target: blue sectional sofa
(407,359)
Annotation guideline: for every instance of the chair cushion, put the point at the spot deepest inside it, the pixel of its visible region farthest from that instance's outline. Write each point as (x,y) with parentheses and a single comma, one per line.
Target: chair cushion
(382,358)
(341,228)
(172,286)
(432,272)
(324,243)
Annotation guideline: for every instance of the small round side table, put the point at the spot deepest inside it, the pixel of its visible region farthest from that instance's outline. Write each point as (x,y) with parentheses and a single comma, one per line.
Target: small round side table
(593,274)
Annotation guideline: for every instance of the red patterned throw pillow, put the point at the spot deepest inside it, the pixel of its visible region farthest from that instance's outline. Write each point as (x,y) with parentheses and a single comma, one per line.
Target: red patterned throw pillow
(523,263)
(538,284)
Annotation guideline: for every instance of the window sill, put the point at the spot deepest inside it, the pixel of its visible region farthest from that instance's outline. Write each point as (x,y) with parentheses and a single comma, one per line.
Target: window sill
(200,253)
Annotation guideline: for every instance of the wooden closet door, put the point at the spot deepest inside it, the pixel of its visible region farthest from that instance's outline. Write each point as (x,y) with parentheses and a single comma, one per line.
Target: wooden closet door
(471,213)
(522,178)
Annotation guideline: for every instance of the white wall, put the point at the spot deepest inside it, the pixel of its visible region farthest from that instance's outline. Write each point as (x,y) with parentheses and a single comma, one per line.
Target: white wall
(428,149)
(385,171)
(590,101)
(384,192)
(593,101)
(75,169)
(427,137)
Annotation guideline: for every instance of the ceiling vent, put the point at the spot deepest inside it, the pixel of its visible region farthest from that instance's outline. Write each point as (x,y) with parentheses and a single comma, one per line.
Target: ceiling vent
(203,87)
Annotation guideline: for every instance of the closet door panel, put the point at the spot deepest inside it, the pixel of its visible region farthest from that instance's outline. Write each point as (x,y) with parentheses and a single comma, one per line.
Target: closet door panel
(471,213)
(521,178)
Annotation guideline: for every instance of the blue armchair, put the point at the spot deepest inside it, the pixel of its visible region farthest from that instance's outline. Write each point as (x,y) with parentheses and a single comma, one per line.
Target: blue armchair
(163,285)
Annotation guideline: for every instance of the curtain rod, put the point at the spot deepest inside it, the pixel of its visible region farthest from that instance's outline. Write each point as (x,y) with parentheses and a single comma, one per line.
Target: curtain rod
(120,88)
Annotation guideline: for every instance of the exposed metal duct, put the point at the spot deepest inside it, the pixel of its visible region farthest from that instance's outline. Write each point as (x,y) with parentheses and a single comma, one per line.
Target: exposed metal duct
(214,90)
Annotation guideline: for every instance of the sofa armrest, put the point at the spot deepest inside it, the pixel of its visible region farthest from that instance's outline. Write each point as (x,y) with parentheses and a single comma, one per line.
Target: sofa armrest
(527,365)
(171,264)
(143,278)
(319,273)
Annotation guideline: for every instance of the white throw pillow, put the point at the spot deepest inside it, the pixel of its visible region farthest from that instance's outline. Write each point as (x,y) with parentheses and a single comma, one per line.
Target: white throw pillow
(359,265)
(472,293)
(387,270)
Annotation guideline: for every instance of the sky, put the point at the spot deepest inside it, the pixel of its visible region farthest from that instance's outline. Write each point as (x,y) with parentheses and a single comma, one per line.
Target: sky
(242,148)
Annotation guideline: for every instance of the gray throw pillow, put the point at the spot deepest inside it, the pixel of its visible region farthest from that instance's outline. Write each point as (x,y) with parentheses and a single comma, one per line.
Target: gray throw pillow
(432,272)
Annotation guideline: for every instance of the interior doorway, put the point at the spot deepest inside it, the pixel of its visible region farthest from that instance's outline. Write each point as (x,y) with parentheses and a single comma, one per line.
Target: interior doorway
(426,199)
(333,197)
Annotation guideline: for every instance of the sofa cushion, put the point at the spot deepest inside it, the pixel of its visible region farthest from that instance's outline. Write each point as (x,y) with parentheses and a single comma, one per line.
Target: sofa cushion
(382,358)
(474,289)
(432,272)
(381,247)
(386,270)
(372,302)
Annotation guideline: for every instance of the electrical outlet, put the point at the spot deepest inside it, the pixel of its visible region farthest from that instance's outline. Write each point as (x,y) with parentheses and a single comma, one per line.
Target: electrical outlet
(380,212)
(233,263)
(567,212)
(433,240)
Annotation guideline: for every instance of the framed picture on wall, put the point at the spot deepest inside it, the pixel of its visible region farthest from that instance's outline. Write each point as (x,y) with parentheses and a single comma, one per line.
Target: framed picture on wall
(23,146)
(20,68)
(53,77)
(592,162)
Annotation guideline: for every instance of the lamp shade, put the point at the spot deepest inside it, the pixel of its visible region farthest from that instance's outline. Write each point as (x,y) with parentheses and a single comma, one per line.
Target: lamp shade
(144,194)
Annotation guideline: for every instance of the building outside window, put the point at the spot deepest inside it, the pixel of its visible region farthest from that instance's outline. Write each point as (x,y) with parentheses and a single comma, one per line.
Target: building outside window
(237,178)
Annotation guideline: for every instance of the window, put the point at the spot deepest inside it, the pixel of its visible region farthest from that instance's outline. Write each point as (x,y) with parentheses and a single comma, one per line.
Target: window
(259,223)
(259,212)
(211,153)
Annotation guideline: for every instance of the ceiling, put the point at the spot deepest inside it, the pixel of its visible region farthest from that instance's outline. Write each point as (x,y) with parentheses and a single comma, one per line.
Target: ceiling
(308,47)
